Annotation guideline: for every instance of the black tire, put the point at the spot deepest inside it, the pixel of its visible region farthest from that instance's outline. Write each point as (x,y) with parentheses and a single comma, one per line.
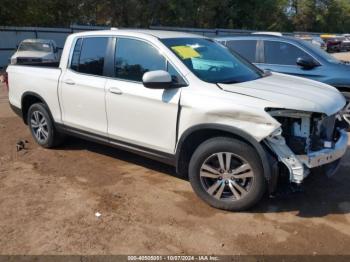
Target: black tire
(242,153)
(347,120)
(52,137)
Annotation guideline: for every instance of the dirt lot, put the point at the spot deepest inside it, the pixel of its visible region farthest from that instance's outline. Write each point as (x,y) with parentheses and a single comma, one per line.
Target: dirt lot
(343,56)
(48,201)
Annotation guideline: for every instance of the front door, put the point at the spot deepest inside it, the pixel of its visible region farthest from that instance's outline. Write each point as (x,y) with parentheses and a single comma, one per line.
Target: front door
(282,57)
(138,115)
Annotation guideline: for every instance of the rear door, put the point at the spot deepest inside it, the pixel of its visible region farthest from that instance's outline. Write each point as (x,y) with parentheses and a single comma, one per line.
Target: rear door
(82,86)
(138,115)
(280,56)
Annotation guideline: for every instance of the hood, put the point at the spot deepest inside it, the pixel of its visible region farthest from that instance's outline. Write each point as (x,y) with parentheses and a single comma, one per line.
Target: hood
(32,54)
(291,92)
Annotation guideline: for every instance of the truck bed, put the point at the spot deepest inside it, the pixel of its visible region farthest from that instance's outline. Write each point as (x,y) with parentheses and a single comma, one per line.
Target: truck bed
(37,78)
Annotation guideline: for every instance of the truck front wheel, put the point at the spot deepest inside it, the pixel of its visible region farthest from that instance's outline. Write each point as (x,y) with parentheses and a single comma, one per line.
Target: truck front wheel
(42,127)
(227,174)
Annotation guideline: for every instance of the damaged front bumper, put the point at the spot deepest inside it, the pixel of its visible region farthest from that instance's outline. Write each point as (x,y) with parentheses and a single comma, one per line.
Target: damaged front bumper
(326,155)
(299,165)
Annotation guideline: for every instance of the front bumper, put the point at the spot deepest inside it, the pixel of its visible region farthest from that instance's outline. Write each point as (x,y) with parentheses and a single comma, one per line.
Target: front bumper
(327,155)
(299,165)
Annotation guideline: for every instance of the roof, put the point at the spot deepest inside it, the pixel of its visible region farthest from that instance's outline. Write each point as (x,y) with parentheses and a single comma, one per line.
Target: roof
(165,34)
(156,33)
(36,41)
(254,36)
(268,33)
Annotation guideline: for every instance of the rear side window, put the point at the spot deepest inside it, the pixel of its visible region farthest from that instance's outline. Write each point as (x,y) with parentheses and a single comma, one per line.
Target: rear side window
(281,53)
(135,57)
(76,54)
(89,55)
(246,48)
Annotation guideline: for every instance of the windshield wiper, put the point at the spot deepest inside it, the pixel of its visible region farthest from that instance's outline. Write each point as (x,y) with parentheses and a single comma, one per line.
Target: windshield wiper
(228,82)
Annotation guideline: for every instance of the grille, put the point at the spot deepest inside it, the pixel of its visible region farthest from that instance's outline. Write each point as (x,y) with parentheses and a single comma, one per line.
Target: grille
(323,130)
(327,128)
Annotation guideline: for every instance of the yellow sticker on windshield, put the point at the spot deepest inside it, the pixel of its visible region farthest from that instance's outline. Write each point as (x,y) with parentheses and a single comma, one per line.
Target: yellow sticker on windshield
(185,52)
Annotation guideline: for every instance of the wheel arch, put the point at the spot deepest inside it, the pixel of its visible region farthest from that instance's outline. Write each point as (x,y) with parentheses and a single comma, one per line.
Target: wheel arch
(196,135)
(27,100)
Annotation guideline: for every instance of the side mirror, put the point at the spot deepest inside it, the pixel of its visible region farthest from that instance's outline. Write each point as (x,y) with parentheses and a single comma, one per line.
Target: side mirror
(157,80)
(267,72)
(307,63)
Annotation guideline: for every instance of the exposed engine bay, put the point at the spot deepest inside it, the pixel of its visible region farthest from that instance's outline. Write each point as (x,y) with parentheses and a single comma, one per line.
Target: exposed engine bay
(307,140)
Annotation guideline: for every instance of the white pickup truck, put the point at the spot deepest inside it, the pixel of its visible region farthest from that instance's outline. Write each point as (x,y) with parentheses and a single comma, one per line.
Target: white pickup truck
(187,101)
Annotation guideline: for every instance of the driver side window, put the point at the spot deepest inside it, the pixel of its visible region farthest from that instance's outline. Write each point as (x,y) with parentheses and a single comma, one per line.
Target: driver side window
(176,77)
(135,57)
(281,53)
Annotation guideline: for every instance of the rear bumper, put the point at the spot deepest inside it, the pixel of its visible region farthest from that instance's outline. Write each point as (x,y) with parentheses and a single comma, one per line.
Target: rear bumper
(327,155)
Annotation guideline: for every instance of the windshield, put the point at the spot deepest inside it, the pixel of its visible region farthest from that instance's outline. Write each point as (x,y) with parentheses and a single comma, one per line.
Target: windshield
(41,47)
(212,62)
(322,53)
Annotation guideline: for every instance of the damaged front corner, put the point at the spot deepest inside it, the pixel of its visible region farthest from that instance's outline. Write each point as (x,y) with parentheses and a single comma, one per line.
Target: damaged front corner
(277,143)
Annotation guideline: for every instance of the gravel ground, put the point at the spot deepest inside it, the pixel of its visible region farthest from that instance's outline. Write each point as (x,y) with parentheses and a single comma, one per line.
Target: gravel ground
(343,56)
(48,201)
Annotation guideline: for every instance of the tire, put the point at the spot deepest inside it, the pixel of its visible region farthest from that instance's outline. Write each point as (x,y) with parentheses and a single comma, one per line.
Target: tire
(42,126)
(222,189)
(347,110)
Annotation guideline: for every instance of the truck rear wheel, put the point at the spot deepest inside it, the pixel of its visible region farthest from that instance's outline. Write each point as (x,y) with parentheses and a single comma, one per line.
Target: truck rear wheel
(42,126)
(227,174)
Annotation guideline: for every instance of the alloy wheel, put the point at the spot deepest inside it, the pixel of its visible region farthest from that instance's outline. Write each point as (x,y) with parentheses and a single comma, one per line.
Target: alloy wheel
(226,176)
(39,126)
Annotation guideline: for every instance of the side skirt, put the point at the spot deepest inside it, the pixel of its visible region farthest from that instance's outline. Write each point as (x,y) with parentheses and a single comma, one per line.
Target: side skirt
(146,152)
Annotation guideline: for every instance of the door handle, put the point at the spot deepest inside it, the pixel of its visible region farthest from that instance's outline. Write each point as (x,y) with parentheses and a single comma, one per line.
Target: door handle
(115,90)
(69,82)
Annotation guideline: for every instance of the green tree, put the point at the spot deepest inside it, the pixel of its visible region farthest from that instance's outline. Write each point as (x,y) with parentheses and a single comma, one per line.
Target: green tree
(276,15)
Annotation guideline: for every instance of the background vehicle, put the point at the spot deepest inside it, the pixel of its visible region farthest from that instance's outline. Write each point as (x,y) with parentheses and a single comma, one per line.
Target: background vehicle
(345,44)
(36,51)
(334,44)
(187,101)
(291,56)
